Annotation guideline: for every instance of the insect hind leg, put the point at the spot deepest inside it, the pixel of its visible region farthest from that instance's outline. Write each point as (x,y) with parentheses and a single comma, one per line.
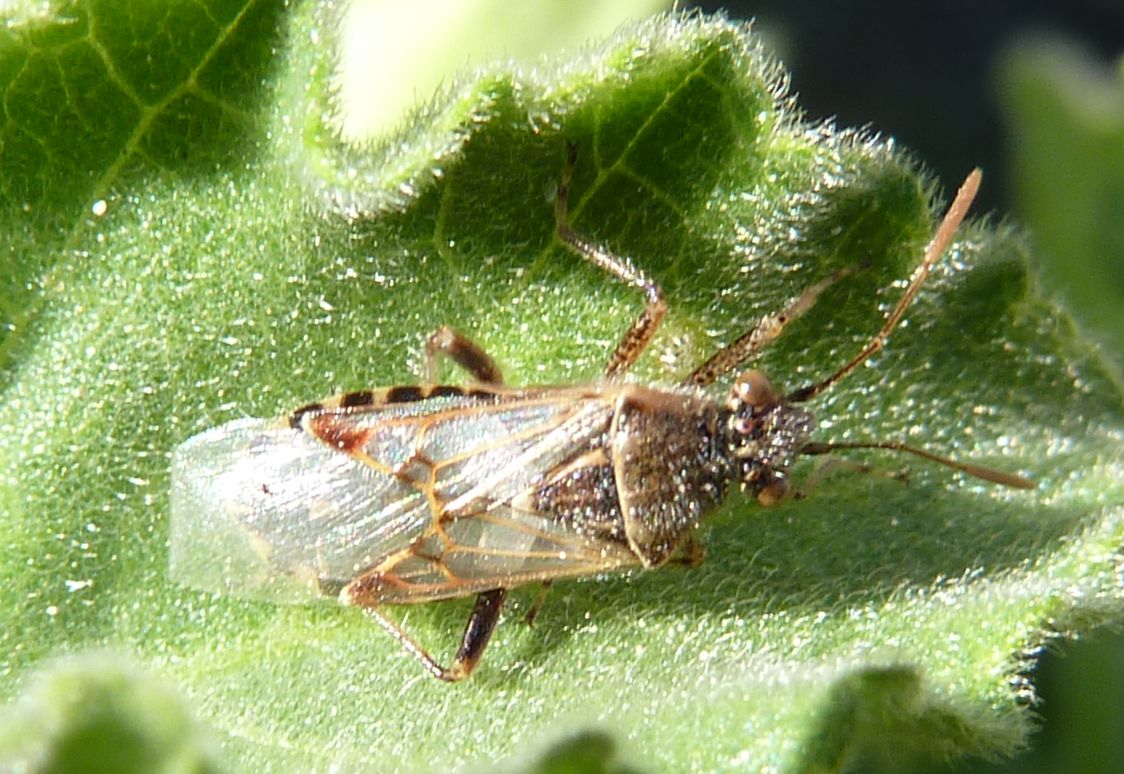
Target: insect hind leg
(477,633)
(464,352)
(640,333)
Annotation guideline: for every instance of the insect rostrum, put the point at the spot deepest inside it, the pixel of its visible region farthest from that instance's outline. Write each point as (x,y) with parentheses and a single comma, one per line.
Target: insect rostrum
(418,493)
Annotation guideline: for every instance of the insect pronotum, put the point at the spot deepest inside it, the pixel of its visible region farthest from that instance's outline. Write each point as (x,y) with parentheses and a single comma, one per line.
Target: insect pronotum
(418,493)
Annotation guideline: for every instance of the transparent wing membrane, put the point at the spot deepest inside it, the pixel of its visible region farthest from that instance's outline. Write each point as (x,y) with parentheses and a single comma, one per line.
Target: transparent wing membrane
(418,494)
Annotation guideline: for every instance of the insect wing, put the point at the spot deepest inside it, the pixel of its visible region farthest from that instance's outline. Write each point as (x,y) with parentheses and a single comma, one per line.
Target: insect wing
(262,510)
(500,547)
(476,460)
(484,458)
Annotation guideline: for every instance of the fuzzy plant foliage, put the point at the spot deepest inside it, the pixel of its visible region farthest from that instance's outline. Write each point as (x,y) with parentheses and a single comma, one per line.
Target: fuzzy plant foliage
(196,230)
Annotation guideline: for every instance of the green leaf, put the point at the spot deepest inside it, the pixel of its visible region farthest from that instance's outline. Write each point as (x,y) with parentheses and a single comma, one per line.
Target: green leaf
(198,242)
(95,714)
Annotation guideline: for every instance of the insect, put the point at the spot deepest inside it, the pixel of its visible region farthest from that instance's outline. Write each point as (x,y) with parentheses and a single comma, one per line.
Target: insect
(419,493)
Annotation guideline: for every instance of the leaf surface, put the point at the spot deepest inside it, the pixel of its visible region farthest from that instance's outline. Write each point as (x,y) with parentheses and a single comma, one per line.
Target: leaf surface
(197,243)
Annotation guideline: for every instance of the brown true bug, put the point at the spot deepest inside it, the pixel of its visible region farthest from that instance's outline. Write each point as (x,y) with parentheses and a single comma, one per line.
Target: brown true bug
(419,493)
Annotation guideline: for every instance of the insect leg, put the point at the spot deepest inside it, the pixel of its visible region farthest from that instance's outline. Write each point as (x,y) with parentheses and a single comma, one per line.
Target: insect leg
(477,633)
(464,351)
(691,552)
(536,606)
(757,338)
(636,338)
(825,466)
(481,623)
(407,642)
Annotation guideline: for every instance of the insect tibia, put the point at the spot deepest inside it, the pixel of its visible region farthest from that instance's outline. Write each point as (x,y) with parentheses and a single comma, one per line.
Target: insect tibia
(976,471)
(638,336)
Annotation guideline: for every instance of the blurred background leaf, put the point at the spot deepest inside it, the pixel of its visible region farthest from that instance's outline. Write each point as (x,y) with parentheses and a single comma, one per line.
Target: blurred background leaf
(1064,114)
(100,713)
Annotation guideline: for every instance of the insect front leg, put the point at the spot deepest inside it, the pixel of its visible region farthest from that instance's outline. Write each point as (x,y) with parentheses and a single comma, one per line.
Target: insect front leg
(757,338)
(691,552)
(640,333)
(464,351)
(477,633)
(826,466)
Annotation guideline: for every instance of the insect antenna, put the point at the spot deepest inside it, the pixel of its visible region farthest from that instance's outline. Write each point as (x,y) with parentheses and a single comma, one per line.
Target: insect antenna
(939,243)
(933,252)
(978,471)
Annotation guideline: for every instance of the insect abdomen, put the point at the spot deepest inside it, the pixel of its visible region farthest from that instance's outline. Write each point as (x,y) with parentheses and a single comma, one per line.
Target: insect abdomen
(582,495)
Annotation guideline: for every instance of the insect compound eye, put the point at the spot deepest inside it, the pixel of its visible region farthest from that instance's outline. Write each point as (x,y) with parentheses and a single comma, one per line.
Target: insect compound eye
(743,425)
(753,388)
